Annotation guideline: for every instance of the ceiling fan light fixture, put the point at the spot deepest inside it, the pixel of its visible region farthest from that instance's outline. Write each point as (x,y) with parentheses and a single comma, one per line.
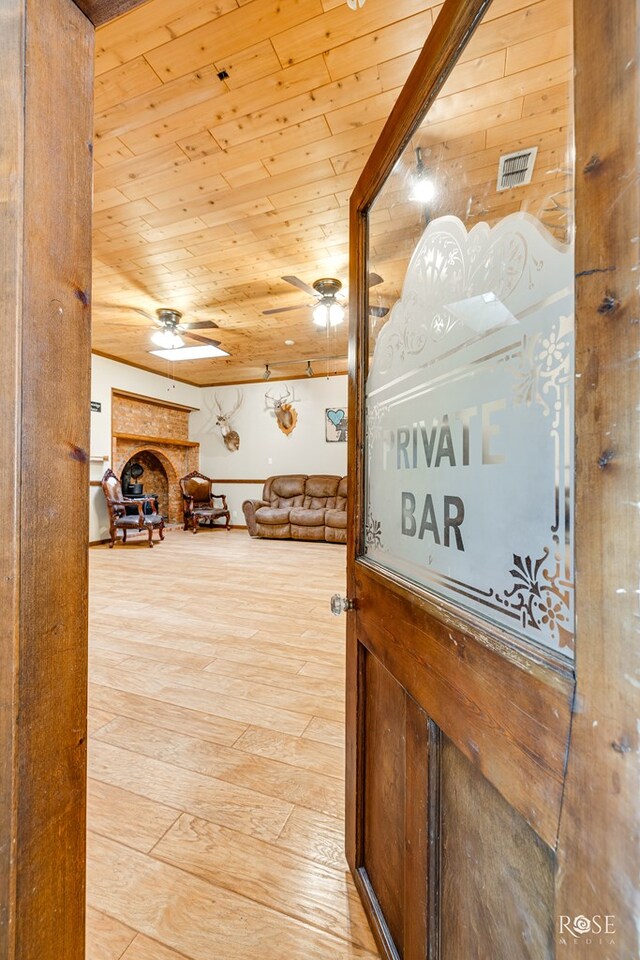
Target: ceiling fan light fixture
(328,313)
(168,316)
(167,339)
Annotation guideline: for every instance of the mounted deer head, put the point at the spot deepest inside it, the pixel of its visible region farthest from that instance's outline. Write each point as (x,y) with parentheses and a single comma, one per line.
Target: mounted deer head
(230,437)
(284,412)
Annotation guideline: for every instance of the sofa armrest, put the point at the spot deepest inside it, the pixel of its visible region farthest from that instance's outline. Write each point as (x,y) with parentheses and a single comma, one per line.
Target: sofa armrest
(249,508)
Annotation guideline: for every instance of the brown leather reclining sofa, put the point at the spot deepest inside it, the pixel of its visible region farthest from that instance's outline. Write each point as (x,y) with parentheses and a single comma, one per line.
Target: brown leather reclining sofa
(298,507)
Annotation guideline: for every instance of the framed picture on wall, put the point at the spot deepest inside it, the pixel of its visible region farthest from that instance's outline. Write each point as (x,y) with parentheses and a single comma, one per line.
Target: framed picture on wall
(335,425)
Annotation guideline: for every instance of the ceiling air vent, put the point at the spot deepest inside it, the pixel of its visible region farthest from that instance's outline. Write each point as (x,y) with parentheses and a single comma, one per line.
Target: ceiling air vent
(516,169)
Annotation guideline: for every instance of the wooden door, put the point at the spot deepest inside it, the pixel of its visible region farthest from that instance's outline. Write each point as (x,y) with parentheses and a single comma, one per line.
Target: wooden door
(488,724)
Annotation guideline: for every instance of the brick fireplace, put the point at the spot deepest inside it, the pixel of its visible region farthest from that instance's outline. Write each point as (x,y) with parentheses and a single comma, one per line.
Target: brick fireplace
(155,434)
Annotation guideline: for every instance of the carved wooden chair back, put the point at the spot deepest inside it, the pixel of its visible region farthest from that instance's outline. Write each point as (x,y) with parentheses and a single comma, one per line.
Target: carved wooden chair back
(200,504)
(119,519)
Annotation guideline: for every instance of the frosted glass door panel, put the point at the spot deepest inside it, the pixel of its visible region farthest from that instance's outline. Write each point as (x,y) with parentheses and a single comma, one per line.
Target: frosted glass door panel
(469,395)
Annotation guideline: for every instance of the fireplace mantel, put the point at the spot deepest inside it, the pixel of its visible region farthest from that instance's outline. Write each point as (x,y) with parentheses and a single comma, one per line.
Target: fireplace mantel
(143,438)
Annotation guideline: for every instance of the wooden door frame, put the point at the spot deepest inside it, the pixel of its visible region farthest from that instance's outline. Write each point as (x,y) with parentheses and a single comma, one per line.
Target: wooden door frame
(46,105)
(596,874)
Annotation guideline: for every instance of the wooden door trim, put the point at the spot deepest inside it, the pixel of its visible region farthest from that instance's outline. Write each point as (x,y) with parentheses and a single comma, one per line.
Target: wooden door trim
(46,263)
(11,271)
(375,915)
(597,857)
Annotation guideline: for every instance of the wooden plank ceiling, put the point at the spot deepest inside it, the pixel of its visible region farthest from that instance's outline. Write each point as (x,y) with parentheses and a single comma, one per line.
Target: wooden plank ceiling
(228,138)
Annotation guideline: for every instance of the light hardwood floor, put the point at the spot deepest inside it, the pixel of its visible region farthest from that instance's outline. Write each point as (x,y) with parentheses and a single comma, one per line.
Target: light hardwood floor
(216,783)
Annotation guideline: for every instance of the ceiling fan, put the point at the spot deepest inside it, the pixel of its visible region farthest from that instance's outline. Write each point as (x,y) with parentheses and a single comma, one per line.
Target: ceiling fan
(170,326)
(328,310)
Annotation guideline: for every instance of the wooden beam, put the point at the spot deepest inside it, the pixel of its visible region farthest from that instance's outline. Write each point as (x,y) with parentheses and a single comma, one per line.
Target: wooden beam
(597,857)
(45,217)
(101,11)
(11,159)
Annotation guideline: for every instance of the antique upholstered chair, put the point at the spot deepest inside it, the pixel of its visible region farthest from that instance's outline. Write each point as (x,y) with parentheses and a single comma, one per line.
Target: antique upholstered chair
(199,502)
(137,519)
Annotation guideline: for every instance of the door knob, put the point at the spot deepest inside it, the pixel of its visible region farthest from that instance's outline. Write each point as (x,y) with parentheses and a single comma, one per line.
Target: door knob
(341,604)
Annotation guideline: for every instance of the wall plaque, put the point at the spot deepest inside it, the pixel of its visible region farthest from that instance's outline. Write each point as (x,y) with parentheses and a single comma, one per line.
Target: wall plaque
(469,426)
(96,406)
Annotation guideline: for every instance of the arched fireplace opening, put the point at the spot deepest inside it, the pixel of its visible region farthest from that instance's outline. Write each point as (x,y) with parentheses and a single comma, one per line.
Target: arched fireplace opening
(146,474)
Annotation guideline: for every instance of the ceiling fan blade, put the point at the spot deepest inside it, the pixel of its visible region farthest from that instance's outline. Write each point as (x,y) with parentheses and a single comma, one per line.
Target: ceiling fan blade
(301,285)
(300,306)
(375,279)
(143,313)
(121,306)
(199,325)
(378,311)
(207,340)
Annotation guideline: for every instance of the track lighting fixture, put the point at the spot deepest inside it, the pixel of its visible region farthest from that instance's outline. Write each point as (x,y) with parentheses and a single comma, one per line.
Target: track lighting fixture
(309,372)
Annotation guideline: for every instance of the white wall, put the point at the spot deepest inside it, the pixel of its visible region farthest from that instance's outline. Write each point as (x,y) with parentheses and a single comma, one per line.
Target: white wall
(106,374)
(264,449)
